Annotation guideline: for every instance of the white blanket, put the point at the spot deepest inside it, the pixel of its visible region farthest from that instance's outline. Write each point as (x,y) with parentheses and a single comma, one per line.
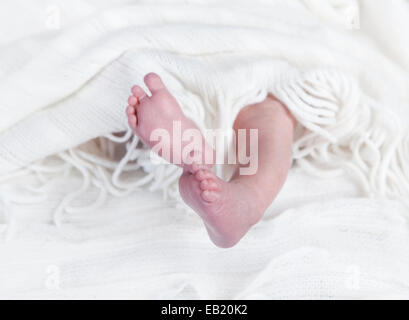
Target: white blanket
(64,80)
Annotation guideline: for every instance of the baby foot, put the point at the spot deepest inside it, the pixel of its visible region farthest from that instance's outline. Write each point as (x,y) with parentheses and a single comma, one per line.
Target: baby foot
(228,209)
(159,115)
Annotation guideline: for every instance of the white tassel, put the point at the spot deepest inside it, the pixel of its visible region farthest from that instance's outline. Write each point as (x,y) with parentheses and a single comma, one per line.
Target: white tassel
(357,139)
(343,130)
(9,226)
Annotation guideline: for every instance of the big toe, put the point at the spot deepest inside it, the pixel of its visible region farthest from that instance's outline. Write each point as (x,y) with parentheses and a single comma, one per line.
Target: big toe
(154,82)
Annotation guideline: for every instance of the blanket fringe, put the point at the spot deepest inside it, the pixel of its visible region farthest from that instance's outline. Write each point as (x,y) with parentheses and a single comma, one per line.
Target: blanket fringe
(342,130)
(107,175)
(7,224)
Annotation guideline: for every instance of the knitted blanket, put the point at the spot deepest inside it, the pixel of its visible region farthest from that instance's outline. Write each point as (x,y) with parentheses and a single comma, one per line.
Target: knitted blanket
(65,76)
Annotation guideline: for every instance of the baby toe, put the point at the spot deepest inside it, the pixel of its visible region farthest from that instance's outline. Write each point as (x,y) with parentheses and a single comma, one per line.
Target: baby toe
(204,185)
(139,93)
(212,185)
(196,167)
(203,172)
(201,175)
(209,196)
(208,174)
(130,111)
(209,184)
(132,121)
(133,101)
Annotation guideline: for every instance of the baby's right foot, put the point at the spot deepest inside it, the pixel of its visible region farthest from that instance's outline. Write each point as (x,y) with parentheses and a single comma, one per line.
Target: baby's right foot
(228,209)
(155,117)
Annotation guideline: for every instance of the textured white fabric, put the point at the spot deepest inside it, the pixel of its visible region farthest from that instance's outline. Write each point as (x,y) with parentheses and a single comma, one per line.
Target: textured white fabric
(64,80)
(318,240)
(215,58)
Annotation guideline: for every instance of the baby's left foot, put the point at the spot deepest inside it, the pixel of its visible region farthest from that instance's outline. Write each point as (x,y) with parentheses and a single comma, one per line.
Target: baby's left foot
(155,118)
(228,209)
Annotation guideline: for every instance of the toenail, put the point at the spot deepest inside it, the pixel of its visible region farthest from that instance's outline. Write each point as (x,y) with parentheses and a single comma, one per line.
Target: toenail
(132,100)
(135,89)
(138,92)
(204,184)
(130,110)
(200,174)
(153,79)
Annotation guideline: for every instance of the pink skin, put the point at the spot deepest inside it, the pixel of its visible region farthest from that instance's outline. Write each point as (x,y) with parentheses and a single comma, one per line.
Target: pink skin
(159,111)
(228,209)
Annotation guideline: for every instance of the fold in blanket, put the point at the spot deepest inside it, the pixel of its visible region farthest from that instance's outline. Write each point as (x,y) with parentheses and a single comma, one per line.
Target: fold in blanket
(63,94)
